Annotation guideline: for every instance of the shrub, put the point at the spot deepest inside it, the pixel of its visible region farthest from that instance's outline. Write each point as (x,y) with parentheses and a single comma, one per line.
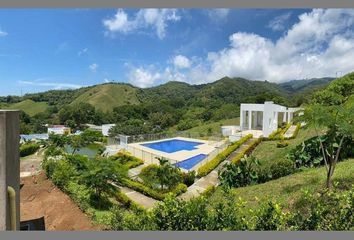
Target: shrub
(48,166)
(142,189)
(188,178)
(307,154)
(271,217)
(239,174)
(274,170)
(28,149)
(127,159)
(179,189)
(62,174)
(149,175)
(127,202)
(212,164)
(282,144)
(246,151)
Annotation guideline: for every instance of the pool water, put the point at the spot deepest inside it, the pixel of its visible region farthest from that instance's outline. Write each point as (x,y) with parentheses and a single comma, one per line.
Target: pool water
(191,162)
(171,146)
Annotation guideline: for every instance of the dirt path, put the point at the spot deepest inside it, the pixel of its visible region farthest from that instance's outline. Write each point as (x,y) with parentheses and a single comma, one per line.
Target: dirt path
(31,164)
(59,211)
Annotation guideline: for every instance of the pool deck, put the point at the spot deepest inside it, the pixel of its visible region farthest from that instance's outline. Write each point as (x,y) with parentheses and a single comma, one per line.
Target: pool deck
(140,151)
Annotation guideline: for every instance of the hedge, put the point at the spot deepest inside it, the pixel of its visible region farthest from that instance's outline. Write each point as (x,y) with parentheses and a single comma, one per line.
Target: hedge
(127,159)
(127,202)
(28,149)
(281,132)
(139,187)
(246,151)
(212,164)
(296,132)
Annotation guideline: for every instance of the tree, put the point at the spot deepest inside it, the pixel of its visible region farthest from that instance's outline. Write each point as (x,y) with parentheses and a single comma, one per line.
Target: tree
(58,140)
(167,174)
(101,171)
(338,121)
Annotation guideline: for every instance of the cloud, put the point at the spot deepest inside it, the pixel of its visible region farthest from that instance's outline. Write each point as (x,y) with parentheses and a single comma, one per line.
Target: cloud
(320,44)
(156,19)
(218,14)
(93,67)
(180,61)
(278,23)
(82,52)
(56,85)
(106,80)
(143,77)
(3,33)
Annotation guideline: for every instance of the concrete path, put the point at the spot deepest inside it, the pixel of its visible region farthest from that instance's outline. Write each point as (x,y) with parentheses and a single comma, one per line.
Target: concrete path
(290,132)
(212,179)
(139,198)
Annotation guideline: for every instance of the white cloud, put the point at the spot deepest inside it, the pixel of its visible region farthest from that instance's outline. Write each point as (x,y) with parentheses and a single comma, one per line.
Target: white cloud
(106,80)
(93,67)
(278,23)
(55,85)
(218,14)
(143,19)
(3,33)
(82,52)
(180,61)
(320,44)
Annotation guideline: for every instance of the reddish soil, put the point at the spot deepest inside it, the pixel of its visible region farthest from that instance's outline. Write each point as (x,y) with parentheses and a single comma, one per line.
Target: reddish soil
(59,211)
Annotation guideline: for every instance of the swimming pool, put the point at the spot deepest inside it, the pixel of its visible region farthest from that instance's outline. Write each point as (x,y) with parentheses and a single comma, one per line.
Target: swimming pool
(191,162)
(171,146)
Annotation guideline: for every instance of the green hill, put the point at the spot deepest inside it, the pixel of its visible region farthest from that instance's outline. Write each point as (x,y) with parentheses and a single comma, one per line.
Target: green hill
(28,106)
(108,96)
(305,85)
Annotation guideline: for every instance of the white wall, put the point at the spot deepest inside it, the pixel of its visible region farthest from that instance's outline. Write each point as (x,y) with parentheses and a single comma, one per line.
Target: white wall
(106,128)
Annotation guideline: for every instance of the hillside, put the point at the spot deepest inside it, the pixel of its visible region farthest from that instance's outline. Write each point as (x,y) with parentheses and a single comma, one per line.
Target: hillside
(305,85)
(28,106)
(105,97)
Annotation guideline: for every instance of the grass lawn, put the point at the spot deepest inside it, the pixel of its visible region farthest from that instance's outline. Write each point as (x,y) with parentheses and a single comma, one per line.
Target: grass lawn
(286,190)
(28,106)
(267,151)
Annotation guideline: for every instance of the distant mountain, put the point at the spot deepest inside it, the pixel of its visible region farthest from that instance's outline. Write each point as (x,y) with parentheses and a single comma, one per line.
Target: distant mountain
(304,85)
(107,96)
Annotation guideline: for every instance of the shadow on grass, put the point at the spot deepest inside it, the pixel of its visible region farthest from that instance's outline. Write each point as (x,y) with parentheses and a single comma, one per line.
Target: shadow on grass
(100,202)
(304,185)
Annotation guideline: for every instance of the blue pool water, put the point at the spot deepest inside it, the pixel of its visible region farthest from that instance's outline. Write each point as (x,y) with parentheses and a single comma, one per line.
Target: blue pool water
(191,162)
(171,146)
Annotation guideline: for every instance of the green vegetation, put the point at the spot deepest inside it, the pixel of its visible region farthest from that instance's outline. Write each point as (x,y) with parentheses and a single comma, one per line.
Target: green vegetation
(28,149)
(105,97)
(206,168)
(28,106)
(287,190)
(247,151)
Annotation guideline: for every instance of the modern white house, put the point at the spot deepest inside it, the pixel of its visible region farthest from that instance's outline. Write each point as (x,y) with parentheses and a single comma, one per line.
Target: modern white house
(260,118)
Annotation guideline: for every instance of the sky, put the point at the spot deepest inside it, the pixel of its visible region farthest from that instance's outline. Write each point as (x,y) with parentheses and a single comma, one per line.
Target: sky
(43,49)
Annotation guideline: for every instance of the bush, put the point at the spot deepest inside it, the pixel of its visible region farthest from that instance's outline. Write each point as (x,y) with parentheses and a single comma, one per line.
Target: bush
(143,189)
(179,189)
(212,164)
(274,170)
(127,202)
(246,151)
(188,178)
(127,159)
(28,149)
(149,175)
(271,217)
(282,144)
(62,174)
(48,166)
(239,174)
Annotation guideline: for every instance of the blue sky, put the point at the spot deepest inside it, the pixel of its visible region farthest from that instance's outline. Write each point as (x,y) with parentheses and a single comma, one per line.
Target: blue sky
(42,49)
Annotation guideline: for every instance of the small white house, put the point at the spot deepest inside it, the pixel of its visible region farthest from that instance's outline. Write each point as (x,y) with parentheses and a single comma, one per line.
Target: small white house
(264,117)
(59,129)
(106,128)
(260,119)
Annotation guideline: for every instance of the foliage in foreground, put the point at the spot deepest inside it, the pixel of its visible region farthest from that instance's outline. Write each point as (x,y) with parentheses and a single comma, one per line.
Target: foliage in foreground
(330,210)
(28,149)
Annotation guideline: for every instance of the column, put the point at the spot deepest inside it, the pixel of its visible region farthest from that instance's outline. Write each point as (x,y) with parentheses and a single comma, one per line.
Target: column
(249,120)
(284,116)
(9,165)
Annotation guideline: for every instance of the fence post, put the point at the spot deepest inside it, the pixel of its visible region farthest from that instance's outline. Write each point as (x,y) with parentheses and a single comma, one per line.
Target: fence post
(9,165)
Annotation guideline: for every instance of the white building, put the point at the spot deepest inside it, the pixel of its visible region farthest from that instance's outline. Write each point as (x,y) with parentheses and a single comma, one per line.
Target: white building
(106,128)
(59,129)
(264,117)
(259,119)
